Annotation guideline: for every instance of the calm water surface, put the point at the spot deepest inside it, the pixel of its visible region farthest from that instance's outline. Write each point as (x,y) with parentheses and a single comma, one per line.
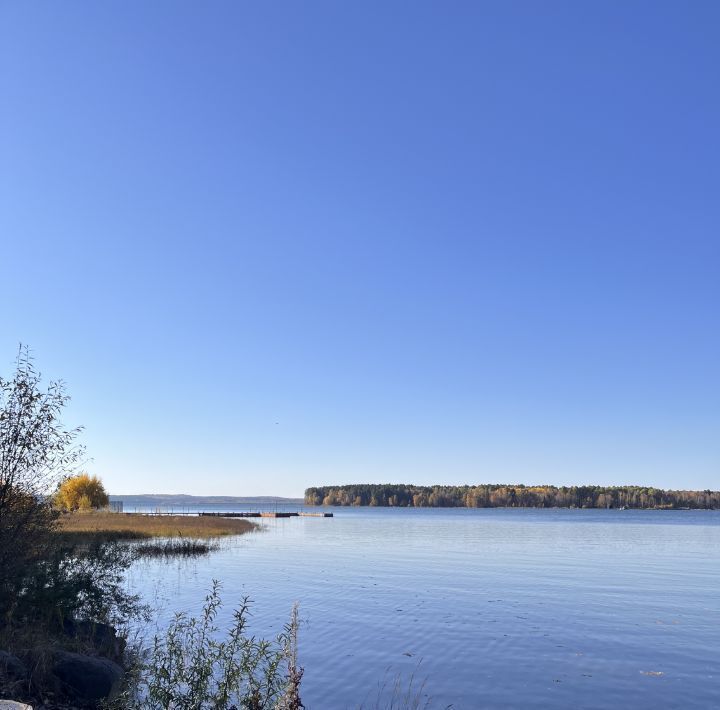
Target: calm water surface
(490,608)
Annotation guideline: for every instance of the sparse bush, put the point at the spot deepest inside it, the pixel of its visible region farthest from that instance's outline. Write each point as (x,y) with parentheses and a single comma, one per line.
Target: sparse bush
(190,669)
(35,452)
(46,578)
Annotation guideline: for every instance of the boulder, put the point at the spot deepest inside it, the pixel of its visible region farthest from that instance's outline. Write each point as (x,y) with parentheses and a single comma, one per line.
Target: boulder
(86,678)
(12,668)
(13,705)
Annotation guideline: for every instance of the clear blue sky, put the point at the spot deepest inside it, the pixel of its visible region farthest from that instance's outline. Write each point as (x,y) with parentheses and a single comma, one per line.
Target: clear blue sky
(274,245)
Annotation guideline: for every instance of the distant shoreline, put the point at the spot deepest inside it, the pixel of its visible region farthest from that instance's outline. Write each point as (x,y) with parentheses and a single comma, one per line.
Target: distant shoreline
(512,496)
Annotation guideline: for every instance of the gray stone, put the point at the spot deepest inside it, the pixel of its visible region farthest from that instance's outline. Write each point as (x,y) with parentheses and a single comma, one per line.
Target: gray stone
(13,705)
(86,678)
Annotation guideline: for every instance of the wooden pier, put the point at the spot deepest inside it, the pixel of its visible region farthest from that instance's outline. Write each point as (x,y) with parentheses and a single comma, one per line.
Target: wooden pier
(235,514)
(276,514)
(254,514)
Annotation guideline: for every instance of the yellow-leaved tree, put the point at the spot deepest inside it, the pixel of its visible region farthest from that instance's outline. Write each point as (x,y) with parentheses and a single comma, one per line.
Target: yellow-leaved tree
(81,492)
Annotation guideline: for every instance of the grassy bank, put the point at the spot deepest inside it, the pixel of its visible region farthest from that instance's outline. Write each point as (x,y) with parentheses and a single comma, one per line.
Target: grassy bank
(135,526)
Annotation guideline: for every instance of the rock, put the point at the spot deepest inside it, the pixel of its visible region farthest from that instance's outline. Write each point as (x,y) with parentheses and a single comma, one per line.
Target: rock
(12,668)
(86,678)
(13,705)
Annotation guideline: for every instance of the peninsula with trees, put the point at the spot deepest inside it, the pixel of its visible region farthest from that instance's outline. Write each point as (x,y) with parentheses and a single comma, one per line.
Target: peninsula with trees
(498,495)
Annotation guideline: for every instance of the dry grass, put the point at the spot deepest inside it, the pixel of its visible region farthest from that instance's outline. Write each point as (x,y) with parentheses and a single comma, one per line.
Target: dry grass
(135,526)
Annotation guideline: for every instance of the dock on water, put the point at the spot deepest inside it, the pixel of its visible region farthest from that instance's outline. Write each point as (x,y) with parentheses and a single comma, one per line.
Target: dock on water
(235,514)
(274,514)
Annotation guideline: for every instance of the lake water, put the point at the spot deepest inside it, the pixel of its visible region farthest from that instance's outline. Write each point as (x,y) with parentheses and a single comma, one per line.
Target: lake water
(499,608)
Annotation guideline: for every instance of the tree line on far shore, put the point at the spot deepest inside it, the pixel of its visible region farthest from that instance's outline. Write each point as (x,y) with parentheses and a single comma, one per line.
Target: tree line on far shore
(511,496)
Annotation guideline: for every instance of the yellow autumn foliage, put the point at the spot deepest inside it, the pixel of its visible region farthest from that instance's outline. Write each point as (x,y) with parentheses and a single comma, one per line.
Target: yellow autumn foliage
(81,492)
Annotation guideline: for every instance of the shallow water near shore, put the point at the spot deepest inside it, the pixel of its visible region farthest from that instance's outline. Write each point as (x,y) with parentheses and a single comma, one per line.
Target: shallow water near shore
(497,608)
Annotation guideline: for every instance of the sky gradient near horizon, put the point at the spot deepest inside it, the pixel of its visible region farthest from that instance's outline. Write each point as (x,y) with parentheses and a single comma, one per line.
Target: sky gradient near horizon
(276,245)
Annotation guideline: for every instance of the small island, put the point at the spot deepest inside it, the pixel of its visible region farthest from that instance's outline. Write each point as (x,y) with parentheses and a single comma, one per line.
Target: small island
(498,495)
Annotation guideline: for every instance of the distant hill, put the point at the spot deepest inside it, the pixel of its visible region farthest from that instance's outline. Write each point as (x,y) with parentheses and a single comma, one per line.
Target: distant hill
(179,500)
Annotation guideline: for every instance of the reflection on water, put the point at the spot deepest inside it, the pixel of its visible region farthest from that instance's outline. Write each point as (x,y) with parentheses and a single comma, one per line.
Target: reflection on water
(500,608)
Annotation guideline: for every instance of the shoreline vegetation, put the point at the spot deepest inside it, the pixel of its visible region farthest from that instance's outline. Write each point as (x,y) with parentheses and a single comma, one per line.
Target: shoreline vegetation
(65,605)
(137,526)
(511,496)
(150,535)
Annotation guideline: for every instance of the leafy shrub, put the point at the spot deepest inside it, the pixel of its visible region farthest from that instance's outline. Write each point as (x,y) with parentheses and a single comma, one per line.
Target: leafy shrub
(190,669)
(35,452)
(81,492)
(44,577)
